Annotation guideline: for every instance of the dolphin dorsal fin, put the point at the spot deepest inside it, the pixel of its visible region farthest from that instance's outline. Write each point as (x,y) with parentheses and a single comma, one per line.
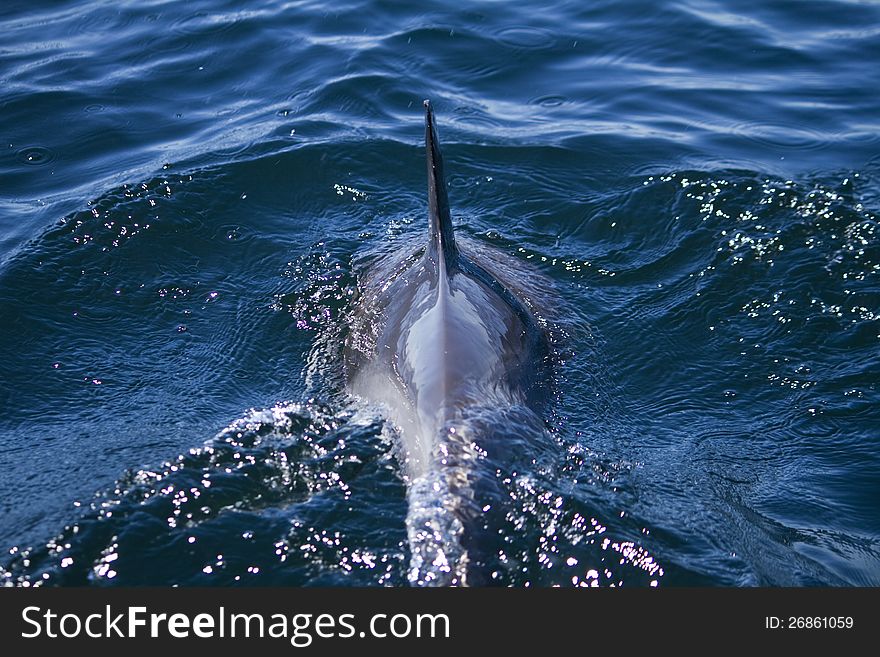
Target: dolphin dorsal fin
(441,237)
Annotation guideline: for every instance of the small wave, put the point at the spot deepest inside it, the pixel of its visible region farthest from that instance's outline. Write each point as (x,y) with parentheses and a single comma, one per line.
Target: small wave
(783,135)
(202,517)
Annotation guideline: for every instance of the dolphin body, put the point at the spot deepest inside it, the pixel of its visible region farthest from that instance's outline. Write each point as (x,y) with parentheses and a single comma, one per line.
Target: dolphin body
(451,353)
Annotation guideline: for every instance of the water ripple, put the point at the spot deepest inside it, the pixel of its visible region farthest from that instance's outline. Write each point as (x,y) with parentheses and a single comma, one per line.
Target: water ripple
(35,155)
(531,38)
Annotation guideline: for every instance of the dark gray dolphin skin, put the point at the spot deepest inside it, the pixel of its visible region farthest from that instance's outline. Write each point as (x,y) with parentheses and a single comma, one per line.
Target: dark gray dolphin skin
(438,341)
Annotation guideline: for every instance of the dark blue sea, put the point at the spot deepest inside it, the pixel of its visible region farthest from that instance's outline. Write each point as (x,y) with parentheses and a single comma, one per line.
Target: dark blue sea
(185,191)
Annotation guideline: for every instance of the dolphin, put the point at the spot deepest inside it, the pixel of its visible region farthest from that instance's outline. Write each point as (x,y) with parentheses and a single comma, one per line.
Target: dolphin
(447,344)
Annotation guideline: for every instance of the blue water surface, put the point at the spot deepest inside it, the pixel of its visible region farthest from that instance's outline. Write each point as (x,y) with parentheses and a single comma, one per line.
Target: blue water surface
(185,191)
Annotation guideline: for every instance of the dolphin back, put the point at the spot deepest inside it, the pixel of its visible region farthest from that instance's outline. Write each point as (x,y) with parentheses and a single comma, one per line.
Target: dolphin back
(447,344)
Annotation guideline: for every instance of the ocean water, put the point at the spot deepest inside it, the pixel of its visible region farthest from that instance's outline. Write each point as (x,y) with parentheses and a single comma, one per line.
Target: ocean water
(186,190)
